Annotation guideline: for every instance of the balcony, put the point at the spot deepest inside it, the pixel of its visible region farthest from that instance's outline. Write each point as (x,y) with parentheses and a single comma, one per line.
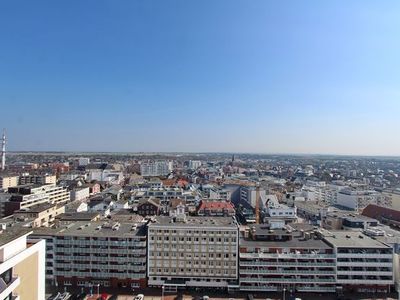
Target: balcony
(6,289)
(293,264)
(314,272)
(289,255)
(316,289)
(285,280)
(259,288)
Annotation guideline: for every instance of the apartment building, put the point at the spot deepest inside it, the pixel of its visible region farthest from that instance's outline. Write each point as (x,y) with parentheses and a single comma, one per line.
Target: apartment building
(79,194)
(7,181)
(55,194)
(248,194)
(194,164)
(21,201)
(22,265)
(192,252)
(288,258)
(359,199)
(112,254)
(39,214)
(363,264)
(39,179)
(156,168)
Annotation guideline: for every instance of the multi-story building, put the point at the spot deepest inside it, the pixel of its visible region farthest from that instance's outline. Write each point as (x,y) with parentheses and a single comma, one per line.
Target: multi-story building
(40,214)
(79,194)
(248,194)
(275,213)
(359,199)
(289,258)
(22,265)
(28,195)
(7,181)
(192,251)
(155,168)
(363,264)
(216,208)
(22,201)
(111,254)
(83,161)
(104,172)
(39,179)
(194,164)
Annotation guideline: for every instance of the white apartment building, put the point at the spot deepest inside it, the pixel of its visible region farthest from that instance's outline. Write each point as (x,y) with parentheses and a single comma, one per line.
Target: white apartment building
(192,252)
(112,254)
(363,264)
(156,168)
(80,194)
(194,164)
(22,265)
(83,161)
(28,195)
(286,258)
(248,194)
(359,199)
(106,175)
(277,213)
(319,191)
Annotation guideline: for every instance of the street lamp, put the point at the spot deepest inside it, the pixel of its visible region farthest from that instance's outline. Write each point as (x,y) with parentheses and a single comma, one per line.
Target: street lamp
(162,292)
(98,290)
(284,290)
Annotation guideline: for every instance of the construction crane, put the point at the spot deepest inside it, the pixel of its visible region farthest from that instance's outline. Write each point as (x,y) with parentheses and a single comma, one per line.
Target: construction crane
(258,203)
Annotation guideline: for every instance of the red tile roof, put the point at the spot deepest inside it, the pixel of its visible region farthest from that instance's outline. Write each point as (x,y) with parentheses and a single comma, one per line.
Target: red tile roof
(216,205)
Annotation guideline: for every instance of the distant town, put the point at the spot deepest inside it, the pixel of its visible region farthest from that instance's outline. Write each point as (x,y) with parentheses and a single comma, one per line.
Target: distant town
(103,225)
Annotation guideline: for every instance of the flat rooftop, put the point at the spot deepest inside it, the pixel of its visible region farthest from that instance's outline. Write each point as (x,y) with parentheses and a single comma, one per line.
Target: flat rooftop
(351,239)
(196,221)
(12,233)
(36,208)
(78,216)
(296,240)
(95,229)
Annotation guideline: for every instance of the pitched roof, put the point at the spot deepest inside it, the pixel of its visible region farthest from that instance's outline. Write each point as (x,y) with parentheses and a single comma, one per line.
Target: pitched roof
(381,213)
(216,205)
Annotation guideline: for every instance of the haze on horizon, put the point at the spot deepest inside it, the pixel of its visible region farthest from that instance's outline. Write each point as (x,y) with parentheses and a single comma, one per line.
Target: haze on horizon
(201,76)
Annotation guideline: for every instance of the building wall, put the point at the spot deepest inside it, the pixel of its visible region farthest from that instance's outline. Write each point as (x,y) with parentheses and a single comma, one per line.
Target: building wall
(192,255)
(10,181)
(28,265)
(27,270)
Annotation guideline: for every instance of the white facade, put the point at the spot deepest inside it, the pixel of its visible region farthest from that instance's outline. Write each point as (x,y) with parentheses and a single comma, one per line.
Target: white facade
(156,168)
(194,164)
(248,194)
(83,161)
(193,252)
(80,194)
(362,262)
(111,176)
(18,264)
(358,200)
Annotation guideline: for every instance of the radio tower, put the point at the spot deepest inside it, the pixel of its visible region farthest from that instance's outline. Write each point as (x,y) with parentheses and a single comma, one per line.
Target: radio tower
(3,151)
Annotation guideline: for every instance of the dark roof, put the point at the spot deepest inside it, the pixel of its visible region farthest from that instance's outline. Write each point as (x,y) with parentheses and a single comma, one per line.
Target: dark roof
(78,216)
(36,208)
(12,233)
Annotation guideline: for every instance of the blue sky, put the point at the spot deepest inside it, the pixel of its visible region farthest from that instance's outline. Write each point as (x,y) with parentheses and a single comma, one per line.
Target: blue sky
(234,76)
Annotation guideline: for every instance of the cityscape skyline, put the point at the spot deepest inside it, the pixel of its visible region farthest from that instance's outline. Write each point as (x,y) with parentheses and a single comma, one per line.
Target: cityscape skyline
(211,77)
